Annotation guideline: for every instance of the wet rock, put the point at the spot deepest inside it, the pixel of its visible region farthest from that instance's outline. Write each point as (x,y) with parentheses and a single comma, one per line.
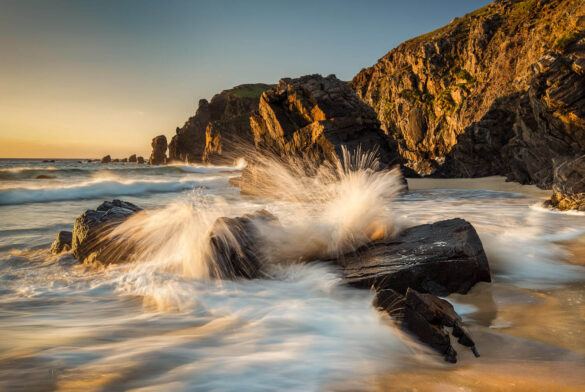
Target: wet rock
(313,117)
(132,158)
(439,258)
(159,151)
(91,228)
(426,317)
(139,160)
(44,177)
(106,159)
(569,184)
(62,242)
(235,246)
(124,160)
(115,160)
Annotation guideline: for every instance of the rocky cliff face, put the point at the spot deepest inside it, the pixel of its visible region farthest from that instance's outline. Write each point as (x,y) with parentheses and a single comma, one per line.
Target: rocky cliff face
(219,128)
(500,91)
(314,116)
(159,151)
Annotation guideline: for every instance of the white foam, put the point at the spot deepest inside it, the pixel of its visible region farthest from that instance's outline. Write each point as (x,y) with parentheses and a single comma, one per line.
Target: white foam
(95,188)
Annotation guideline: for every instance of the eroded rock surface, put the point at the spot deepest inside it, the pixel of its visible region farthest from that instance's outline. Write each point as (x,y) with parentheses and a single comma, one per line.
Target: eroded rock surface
(439,258)
(62,242)
(500,91)
(219,132)
(313,117)
(90,230)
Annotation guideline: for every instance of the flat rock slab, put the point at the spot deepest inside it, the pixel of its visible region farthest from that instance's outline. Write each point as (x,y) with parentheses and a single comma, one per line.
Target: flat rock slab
(439,258)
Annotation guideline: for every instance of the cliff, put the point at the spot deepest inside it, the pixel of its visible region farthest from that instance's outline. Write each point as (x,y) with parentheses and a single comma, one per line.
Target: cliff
(500,91)
(219,128)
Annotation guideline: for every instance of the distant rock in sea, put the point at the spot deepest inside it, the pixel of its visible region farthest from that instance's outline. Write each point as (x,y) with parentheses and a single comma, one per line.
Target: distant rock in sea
(159,151)
(106,159)
(132,158)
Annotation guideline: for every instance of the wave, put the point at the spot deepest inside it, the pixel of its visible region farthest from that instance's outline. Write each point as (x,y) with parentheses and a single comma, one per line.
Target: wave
(96,188)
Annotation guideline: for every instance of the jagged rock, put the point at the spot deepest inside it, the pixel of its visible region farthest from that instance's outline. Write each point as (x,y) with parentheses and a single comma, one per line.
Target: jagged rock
(314,116)
(132,158)
(106,159)
(235,246)
(159,151)
(140,160)
(499,91)
(569,184)
(220,128)
(62,242)
(426,316)
(439,258)
(124,160)
(90,229)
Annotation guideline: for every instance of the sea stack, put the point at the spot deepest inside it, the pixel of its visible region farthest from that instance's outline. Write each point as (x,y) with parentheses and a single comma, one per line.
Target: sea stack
(159,151)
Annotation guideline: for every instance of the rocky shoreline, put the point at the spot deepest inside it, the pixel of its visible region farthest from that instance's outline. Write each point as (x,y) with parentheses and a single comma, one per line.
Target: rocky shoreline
(407,272)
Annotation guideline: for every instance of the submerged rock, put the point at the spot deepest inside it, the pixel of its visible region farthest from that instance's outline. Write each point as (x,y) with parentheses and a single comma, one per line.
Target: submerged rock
(440,258)
(62,242)
(90,230)
(159,151)
(106,159)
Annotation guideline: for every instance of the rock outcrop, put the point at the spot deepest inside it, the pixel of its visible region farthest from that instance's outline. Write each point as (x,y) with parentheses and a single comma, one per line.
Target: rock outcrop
(313,117)
(106,159)
(132,158)
(500,91)
(90,229)
(569,184)
(62,242)
(440,258)
(159,151)
(220,129)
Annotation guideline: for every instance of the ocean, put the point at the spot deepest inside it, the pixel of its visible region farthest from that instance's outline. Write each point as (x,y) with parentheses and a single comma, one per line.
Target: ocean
(161,324)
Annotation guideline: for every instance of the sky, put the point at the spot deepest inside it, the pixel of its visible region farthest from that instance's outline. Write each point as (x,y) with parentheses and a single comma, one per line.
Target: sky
(86,78)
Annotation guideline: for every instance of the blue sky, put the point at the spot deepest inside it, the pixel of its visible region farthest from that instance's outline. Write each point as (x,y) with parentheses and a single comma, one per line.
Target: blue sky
(86,78)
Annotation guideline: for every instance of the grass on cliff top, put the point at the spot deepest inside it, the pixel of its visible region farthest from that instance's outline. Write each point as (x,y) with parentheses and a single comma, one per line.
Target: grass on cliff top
(251,90)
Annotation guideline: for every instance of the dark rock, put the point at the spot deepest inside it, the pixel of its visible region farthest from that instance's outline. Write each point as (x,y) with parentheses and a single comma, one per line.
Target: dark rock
(124,160)
(313,117)
(235,246)
(139,160)
(90,230)
(115,160)
(569,184)
(44,177)
(426,317)
(132,158)
(440,258)
(106,159)
(62,242)
(159,151)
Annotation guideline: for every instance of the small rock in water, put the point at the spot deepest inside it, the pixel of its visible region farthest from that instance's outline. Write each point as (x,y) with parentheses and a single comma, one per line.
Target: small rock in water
(426,317)
(62,242)
(106,159)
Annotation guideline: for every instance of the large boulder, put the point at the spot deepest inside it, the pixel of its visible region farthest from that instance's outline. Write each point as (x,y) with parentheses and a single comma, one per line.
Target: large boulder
(132,158)
(313,117)
(106,159)
(235,246)
(159,151)
(569,184)
(439,258)
(220,129)
(91,228)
